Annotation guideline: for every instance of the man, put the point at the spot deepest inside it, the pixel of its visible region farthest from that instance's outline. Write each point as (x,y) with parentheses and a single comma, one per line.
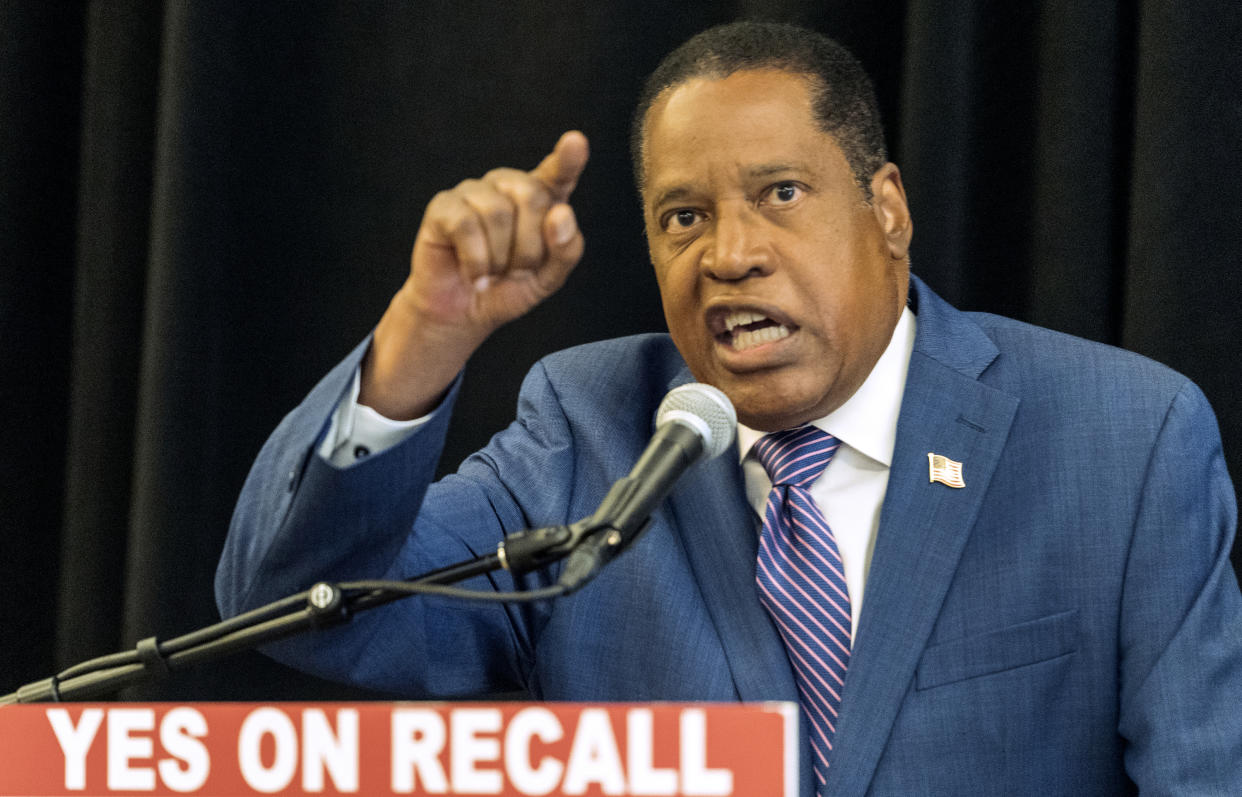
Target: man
(1059,616)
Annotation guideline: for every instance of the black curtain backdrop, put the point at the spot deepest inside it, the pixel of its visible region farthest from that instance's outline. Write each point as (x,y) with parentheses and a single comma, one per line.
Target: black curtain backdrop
(204,205)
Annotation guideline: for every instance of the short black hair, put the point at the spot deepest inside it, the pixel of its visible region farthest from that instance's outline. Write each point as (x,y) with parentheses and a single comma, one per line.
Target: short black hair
(842,97)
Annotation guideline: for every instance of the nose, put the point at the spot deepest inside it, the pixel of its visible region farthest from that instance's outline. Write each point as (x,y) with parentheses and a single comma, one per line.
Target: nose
(738,248)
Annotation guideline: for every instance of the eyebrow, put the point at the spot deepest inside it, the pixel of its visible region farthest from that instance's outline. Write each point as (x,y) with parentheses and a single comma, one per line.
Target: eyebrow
(769,169)
(674,194)
(677,193)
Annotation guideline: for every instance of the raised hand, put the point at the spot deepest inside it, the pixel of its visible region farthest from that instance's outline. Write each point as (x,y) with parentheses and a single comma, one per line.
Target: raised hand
(487,251)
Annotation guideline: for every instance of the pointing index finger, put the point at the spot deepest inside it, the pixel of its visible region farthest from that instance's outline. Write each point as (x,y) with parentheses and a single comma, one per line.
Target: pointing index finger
(559,171)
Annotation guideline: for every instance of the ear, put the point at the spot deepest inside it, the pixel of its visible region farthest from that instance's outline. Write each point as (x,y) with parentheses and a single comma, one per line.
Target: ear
(888,202)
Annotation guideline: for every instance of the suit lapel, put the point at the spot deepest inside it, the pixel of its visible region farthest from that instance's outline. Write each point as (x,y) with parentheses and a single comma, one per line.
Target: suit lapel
(923,527)
(718,534)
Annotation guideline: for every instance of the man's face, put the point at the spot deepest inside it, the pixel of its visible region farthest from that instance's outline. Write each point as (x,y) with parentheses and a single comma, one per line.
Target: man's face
(781,285)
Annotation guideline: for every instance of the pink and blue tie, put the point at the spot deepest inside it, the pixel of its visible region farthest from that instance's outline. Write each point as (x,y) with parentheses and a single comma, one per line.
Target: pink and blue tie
(802,582)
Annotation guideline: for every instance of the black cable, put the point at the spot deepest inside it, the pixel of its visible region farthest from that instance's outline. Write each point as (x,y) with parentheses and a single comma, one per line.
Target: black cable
(198,637)
(413,588)
(101,663)
(127,657)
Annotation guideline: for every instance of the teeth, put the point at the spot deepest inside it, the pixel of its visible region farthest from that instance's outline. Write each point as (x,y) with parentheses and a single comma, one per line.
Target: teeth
(746,339)
(739,317)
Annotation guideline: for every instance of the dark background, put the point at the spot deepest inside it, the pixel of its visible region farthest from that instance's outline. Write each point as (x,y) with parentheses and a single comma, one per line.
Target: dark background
(204,205)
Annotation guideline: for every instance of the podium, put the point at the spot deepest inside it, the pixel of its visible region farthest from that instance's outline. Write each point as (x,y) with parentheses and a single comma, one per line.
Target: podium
(400,748)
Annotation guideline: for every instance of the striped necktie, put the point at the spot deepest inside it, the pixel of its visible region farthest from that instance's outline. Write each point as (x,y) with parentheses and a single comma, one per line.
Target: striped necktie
(801,580)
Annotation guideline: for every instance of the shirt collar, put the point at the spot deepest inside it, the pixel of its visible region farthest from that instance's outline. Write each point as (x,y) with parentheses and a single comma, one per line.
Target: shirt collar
(867,421)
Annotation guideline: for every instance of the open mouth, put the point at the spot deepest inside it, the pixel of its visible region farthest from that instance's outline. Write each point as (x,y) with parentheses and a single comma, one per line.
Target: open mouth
(746,329)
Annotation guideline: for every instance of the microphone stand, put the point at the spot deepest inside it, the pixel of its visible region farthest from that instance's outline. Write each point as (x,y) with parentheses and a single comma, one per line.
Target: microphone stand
(322,606)
(590,543)
(688,420)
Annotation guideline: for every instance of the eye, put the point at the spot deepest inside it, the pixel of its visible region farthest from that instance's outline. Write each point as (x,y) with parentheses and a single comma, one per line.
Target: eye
(681,219)
(784,193)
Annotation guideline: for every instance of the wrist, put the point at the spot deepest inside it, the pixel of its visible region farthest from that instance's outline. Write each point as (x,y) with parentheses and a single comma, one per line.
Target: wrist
(412,362)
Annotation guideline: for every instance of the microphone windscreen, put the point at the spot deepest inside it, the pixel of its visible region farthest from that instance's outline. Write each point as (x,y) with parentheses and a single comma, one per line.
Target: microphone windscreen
(705,409)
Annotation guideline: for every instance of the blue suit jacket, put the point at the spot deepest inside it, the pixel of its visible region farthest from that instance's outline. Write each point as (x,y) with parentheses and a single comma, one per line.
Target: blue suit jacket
(1067,623)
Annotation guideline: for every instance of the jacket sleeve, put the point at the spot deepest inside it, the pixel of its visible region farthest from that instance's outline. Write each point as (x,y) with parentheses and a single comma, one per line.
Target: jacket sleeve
(301,519)
(1181,624)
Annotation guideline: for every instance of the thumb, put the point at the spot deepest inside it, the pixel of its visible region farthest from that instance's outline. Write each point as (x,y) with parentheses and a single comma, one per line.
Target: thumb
(559,171)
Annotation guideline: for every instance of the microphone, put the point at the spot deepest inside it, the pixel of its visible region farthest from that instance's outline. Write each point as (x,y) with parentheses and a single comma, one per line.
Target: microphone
(694,422)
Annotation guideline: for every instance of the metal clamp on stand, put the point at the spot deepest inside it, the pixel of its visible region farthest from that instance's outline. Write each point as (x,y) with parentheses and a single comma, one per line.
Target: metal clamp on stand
(325,605)
(528,550)
(152,659)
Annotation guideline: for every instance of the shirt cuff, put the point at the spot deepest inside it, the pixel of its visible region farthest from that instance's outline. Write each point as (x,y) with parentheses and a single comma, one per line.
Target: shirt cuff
(357,431)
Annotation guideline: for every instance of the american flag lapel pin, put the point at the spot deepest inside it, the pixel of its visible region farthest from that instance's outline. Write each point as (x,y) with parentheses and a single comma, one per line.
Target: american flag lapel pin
(944,470)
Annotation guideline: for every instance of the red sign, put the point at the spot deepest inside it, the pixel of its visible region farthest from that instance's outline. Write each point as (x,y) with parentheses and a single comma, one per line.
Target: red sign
(399,748)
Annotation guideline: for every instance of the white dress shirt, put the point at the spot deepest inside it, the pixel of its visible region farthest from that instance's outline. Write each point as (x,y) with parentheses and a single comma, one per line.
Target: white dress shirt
(357,431)
(850,491)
